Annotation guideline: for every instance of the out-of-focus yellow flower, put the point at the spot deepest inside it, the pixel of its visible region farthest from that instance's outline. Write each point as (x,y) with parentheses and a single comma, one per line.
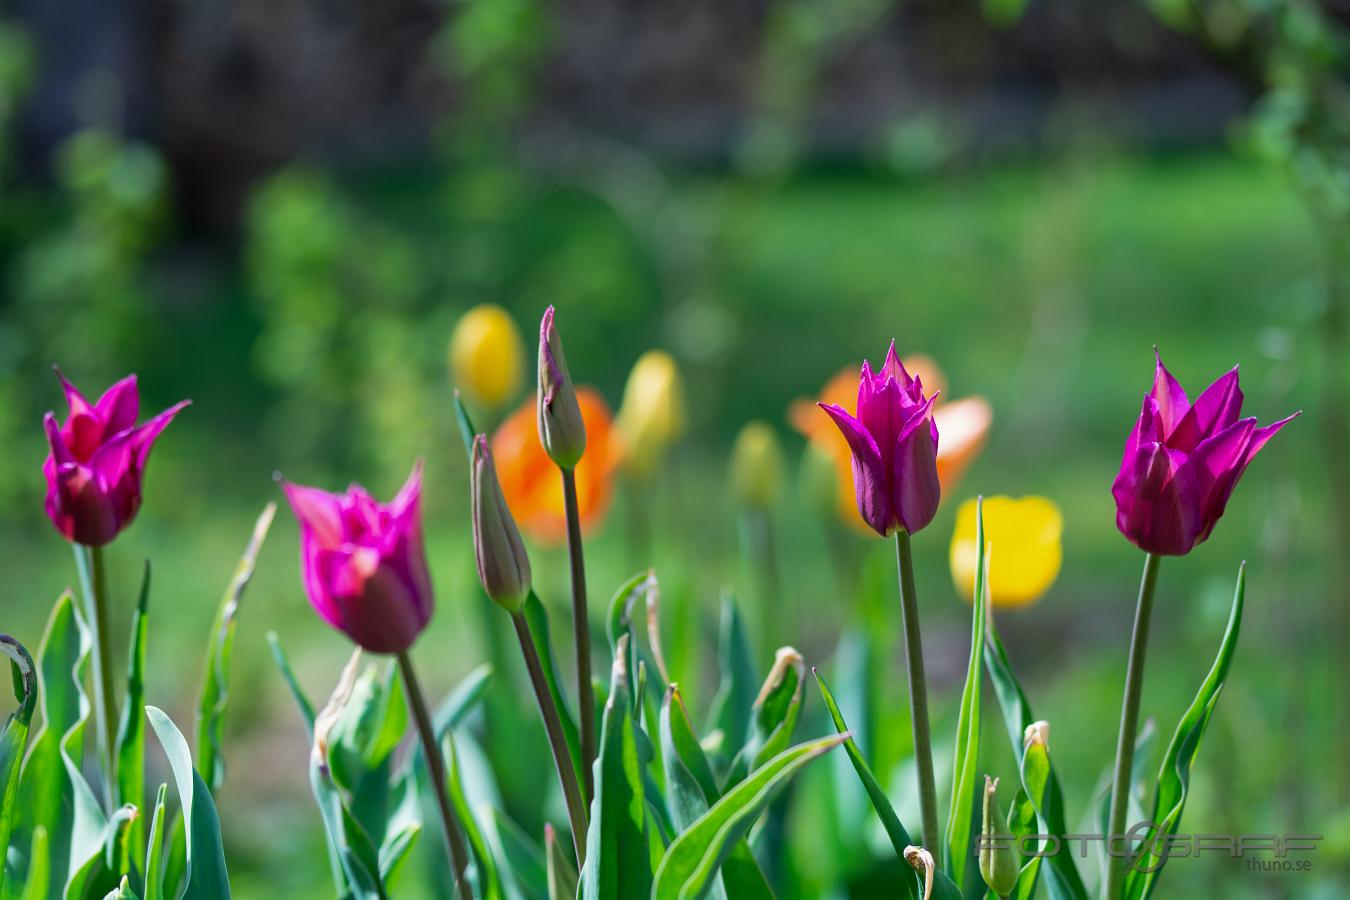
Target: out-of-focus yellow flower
(487,356)
(962,428)
(652,413)
(757,466)
(1023,536)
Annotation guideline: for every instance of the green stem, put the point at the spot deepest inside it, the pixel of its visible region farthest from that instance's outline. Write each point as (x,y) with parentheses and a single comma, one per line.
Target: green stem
(581,629)
(94,578)
(454,839)
(1129,722)
(918,697)
(562,759)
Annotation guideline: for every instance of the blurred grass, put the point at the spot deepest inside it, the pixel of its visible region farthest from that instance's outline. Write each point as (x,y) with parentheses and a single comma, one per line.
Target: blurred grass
(1043,287)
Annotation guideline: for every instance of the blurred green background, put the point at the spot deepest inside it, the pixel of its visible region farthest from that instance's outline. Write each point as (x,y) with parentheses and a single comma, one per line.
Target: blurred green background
(282,212)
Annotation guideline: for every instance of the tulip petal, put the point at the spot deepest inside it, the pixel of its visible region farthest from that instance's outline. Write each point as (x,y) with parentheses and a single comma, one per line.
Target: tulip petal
(1215,409)
(119,406)
(869,475)
(1170,397)
(1212,471)
(917,490)
(56,440)
(74,399)
(146,435)
(894,368)
(319,512)
(1261,435)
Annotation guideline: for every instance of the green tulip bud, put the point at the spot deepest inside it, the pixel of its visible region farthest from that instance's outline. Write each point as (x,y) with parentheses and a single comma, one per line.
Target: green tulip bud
(757,466)
(561,429)
(998,862)
(503,566)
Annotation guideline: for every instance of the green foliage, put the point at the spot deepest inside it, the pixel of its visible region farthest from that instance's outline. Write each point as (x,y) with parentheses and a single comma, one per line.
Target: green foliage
(1174,778)
(964,766)
(204,872)
(131,730)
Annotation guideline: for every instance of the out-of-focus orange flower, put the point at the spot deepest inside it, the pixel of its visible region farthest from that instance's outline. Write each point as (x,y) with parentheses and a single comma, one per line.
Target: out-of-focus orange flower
(962,428)
(531,482)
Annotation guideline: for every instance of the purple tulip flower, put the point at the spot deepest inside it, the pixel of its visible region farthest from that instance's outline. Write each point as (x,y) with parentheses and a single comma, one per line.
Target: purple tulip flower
(363,562)
(894,443)
(1182,461)
(97,462)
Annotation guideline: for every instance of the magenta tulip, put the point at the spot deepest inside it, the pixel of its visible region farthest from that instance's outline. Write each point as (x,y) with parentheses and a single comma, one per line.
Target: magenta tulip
(1182,461)
(97,462)
(363,562)
(894,443)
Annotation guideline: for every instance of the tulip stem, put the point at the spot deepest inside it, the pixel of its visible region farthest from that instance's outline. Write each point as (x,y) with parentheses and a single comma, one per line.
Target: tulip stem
(454,839)
(1129,722)
(94,581)
(562,758)
(582,631)
(918,697)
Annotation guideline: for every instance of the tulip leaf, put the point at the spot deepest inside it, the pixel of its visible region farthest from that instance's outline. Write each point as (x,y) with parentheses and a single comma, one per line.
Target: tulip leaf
(215,692)
(732,705)
(687,872)
(292,683)
(1062,880)
(131,731)
(537,617)
(691,788)
(97,873)
(489,879)
(562,872)
(204,859)
(39,868)
(899,836)
(466,427)
(965,766)
(618,856)
(775,714)
(1174,776)
(522,864)
(14,737)
(45,792)
(154,875)
(123,891)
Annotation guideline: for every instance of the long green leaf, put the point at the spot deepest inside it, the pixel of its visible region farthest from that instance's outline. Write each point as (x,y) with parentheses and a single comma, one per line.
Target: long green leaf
(618,859)
(562,872)
(14,737)
(97,873)
(292,683)
(154,874)
(537,617)
(731,706)
(215,694)
(39,867)
(1061,875)
(489,879)
(966,762)
(690,864)
(45,792)
(900,839)
(205,873)
(1174,777)
(131,731)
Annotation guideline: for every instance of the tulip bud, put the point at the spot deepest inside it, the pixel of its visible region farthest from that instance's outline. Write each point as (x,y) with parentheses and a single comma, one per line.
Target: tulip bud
(503,566)
(486,356)
(652,414)
(757,466)
(998,862)
(561,429)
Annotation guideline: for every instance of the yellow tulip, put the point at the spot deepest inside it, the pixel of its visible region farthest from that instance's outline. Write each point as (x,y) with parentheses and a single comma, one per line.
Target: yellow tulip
(652,413)
(487,356)
(1023,536)
(757,466)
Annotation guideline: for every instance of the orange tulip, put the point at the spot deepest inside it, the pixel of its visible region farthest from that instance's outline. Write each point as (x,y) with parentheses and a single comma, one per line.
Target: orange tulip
(531,483)
(962,428)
